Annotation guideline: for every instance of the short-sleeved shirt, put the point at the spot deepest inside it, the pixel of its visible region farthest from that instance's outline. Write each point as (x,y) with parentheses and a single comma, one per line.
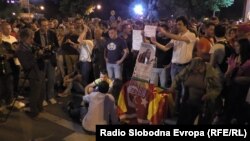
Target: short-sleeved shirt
(115,49)
(183,51)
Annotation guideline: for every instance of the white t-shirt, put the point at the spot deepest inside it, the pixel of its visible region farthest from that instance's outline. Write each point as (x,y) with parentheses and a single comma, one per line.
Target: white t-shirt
(95,114)
(86,51)
(183,51)
(10,39)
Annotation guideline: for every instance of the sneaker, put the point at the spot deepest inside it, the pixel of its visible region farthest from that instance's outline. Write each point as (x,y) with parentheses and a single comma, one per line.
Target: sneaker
(20,97)
(45,103)
(52,101)
(18,104)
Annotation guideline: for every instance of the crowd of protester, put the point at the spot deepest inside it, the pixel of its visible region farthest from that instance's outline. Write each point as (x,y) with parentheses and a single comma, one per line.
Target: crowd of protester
(205,64)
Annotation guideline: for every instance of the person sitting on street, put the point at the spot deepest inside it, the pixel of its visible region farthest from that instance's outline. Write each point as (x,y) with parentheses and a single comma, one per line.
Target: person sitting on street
(72,81)
(103,77)
(101,109)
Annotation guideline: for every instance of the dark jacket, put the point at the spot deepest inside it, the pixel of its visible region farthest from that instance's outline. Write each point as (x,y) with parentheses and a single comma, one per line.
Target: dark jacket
(30,64)
(52,40)
(6,66)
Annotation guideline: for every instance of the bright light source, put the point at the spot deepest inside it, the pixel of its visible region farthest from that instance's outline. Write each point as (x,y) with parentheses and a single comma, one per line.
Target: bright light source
(14,14)
(138,9)
(99,7)
(42,7)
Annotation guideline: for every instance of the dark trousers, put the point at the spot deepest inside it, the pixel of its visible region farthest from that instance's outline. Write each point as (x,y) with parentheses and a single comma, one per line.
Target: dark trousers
(85,71)
(37,92)
(50,74)
(6,88)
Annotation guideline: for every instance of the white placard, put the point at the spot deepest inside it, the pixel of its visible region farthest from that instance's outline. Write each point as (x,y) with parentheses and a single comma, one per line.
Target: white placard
(137,39)
(150,31)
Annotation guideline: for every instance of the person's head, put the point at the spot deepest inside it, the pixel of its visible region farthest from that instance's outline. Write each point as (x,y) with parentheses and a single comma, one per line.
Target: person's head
(112,33)
(232,33)
(79,22)
(215,20)
(27,36)
(6,28)
(104,75)
(44,24)
(181,24)
(56,23)
(165,27)
(127,28)
(71,28)
(209,29)
(51,24)
(98,33)
(112,12)
(201,49)
(244,50)
(236,47)
(220,31)
(103,87)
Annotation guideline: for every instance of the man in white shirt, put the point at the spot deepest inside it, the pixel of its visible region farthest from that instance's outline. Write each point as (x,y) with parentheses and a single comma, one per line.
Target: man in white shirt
(86,48)
(183,44)
(101,110)
(6,30)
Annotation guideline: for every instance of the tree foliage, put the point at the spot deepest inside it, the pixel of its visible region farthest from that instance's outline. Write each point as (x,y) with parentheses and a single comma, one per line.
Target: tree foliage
(73,7)
(195,8)
(216,5)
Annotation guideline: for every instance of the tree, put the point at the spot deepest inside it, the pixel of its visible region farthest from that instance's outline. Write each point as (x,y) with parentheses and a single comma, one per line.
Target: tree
(216,5)
(73,7)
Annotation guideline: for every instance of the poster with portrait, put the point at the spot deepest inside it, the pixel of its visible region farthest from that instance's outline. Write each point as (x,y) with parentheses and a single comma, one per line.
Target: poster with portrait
(144,62)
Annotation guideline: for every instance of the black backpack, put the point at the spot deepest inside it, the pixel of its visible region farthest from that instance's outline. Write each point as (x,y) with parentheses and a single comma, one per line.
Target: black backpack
(228,52)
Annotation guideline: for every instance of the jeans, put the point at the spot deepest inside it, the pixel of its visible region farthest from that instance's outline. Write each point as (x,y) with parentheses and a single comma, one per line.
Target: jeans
(159,73)
(114,71)
(175,69)
(85,71)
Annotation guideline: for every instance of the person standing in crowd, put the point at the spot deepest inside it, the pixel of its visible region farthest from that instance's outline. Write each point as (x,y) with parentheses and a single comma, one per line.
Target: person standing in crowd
(48,41)
(115,54)
(126,35)
(238,78)
(161,70)
(6,75)
(208,38)
(220,51)
(33,67)
(98,52)
(85,48)
(202,86)
(8,38)
(71,54)
(182,45)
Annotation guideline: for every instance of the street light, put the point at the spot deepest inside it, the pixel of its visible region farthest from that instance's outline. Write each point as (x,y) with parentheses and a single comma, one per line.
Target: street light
(99,7)
(42,7)
(14,14)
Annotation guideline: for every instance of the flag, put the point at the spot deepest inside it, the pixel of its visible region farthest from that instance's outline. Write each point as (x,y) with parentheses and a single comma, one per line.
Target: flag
(142,103)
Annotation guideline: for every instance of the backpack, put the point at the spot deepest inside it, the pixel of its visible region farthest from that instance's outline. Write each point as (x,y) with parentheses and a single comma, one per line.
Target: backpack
(228,52)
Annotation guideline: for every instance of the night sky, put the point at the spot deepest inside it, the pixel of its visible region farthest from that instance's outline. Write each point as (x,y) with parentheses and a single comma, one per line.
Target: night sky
(122,8)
